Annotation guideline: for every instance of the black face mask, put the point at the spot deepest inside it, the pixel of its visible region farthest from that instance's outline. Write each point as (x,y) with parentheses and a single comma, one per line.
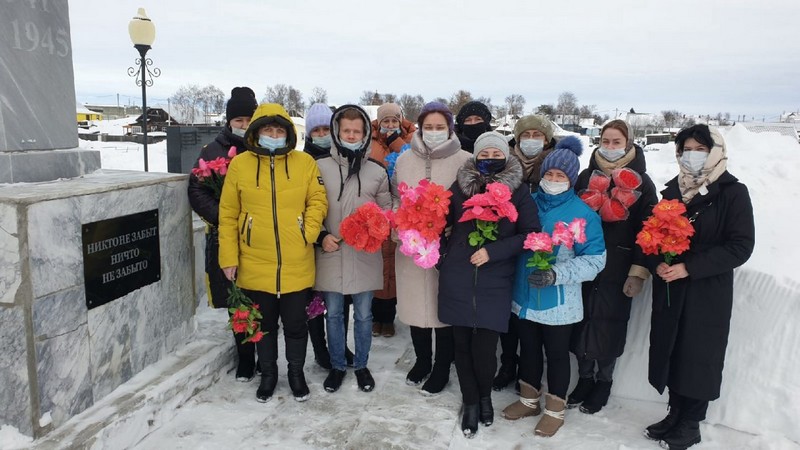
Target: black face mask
(474,130)
(490,166)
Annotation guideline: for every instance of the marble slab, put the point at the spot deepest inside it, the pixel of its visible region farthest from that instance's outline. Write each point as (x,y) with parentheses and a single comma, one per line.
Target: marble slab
(110,344)
(10,267)
(5,168)
(65,385)
(54,243)
(15,394)
(59,313)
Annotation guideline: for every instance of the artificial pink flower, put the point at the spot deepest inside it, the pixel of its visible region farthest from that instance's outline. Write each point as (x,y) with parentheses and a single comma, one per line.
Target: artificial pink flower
(202,170)
(538,242)
(499,192)
(428,255)
(232,152)
(411,241)
(578,229)
(562,235)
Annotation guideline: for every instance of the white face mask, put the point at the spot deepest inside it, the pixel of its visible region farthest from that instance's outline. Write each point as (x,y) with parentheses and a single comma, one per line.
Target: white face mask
(612,155)
(531,147)
(553,187)
(238,132)
(433,138)
(353,146)
(693,161)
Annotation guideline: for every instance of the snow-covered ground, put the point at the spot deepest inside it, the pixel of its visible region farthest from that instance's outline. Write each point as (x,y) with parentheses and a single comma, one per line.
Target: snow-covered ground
(759,407)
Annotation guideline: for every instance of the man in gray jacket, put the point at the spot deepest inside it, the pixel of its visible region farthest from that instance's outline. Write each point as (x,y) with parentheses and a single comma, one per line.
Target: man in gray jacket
(351,179)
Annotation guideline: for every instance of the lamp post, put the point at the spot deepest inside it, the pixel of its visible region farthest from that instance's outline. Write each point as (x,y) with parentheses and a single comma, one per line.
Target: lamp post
(143,33)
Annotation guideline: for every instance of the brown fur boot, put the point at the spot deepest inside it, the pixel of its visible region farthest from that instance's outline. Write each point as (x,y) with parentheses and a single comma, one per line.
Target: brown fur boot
(526,406)
(553,417)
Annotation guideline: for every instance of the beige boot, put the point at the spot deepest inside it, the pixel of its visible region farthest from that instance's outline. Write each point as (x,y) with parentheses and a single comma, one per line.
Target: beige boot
(553,417)
(527,405)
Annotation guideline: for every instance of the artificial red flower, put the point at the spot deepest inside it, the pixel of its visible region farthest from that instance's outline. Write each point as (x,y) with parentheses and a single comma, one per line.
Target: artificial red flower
(626,178)
(366,229)
(613,211)
(256,336)
(625,196)
(599,181)
(668,209)
(680,226)
(674,244)
(648,239)
(500,192)
(594,199)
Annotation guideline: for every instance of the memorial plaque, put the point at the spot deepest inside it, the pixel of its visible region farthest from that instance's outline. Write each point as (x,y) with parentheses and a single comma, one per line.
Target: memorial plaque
(120,255)
(37,92)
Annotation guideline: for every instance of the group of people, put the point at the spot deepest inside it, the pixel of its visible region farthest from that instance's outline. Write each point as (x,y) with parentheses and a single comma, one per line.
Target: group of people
(275,232)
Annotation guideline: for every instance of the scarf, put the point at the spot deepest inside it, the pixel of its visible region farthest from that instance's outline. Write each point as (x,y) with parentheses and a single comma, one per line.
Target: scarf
(692,184)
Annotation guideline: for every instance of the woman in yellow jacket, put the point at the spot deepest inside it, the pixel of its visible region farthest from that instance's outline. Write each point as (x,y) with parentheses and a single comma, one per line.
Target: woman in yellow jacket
(271,210)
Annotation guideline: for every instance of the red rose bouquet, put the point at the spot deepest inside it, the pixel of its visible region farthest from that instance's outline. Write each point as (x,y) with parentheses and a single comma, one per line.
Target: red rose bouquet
(666,232)
(212,173)
(612,206)
(420,220)
(245,316)
(365,229)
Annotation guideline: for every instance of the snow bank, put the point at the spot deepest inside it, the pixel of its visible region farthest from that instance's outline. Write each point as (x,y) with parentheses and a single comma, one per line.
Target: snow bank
(11,438)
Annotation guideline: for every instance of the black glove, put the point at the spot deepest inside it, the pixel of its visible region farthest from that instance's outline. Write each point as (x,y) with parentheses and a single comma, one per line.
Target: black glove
(542,278)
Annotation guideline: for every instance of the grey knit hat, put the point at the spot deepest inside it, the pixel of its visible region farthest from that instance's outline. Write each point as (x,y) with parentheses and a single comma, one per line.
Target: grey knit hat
(490,139)
(534,122)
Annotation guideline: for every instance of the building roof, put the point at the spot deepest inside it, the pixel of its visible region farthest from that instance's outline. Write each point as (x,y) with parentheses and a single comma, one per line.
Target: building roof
(791,130)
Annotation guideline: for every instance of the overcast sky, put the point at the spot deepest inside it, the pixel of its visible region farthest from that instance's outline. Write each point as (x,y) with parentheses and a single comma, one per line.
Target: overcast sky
(697,56)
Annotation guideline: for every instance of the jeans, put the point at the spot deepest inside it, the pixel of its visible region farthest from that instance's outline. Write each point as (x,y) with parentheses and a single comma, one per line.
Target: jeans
(362,328)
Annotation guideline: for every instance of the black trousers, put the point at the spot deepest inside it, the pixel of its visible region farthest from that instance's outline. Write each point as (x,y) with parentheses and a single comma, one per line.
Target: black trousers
(687,407)
(384,310)
(476,361)
(509,341)
(290,308)
(555,341)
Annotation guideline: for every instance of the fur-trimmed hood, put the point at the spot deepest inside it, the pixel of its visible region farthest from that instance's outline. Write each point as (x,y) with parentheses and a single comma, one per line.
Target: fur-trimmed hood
(471,182)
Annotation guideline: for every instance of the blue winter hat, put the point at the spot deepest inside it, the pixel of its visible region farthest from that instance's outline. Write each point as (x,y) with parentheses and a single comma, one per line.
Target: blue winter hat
(318,115)
(565,158)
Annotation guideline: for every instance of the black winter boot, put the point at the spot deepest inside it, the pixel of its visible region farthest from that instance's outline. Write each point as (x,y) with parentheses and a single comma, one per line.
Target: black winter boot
(581,392)
(316,332)
(246,353)
(683,435)
(506,374)
(267,349)
(445,354)
(469,421)
(296,357)
(597,398)
(658,430)
(486,411)
(421,338)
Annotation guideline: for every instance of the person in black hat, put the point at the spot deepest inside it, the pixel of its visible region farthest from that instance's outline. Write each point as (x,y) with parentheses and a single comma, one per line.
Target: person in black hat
(205,203)
(472,120)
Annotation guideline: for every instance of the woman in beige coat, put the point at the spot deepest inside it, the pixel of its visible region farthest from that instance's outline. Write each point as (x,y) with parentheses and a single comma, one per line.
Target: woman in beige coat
(435,155)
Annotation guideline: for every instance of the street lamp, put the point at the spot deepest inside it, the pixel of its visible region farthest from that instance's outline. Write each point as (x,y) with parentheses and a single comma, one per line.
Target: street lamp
(143,33)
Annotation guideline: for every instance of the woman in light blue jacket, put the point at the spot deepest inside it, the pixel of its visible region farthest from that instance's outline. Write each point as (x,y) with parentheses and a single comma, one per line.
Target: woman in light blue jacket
(548,302)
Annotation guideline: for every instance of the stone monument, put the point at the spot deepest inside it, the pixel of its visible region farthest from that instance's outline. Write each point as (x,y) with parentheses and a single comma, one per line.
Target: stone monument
(96,266)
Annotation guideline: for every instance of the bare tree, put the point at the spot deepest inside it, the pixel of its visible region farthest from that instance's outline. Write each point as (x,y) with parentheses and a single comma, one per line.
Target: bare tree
(458,100)
(443,101)
(389,98)
(723,119)
(586,111)
(287,96)
(318,95)
(211,100)
(516,104)
(186,101)
(295,104)
(411,105)
(277,94)
(567,103)
(672,117)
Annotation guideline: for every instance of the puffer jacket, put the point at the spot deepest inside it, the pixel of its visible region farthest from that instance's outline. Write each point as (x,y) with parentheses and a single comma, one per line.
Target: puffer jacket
(561,304)
(271,211)
(348,271)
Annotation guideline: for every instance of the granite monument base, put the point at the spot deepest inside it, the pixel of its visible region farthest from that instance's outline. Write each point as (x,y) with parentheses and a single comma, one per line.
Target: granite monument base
(59,356)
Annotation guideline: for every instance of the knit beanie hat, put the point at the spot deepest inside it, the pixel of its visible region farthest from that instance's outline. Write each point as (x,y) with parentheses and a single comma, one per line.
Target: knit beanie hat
(534,122)
(318,115)
(565,158)
(242,103)
(389,110)
(439,108)
(490,139)
(473,108)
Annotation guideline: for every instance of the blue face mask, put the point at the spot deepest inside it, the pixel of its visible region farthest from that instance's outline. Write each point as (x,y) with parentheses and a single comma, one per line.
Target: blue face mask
(354,146)
(322,141)
(490,166)
(385,130)
(271,143)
